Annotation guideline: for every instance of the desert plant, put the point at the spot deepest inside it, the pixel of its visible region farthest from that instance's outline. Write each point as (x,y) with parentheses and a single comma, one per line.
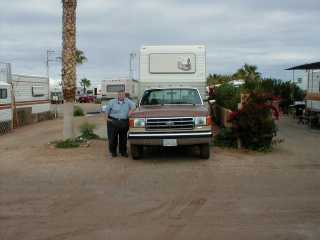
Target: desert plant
(254,124)
(68,143)
(80,57)
(213,79)
(228,96)
(250,75)
(86,130)
(287,92)
(78,111)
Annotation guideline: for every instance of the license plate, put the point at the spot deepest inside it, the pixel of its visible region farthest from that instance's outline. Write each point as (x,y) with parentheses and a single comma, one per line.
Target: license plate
(169,142)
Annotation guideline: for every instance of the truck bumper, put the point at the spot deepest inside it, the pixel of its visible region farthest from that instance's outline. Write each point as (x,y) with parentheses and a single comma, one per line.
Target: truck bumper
(183,138)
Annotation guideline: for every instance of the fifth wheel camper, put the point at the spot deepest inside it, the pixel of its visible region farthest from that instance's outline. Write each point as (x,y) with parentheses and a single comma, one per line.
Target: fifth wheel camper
(173,66)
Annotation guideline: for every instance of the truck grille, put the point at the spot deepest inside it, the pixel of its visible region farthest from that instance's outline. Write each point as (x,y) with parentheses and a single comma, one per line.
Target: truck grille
(169,123)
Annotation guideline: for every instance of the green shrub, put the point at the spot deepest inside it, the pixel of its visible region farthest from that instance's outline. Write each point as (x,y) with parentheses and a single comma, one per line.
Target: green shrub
(226,138)
(78,111)
(254,124)
(287,92)
(69,143)
(86,130)
(228,96)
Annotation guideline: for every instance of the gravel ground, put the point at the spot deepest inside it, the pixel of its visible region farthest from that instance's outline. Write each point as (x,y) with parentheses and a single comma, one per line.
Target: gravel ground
(48,193)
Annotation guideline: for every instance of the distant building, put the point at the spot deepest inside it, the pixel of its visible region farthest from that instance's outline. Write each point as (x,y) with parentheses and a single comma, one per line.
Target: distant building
(310,82)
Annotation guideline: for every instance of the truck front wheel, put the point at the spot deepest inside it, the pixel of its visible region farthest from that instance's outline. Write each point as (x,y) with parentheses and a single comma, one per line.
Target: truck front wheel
(136,151)
(204,151)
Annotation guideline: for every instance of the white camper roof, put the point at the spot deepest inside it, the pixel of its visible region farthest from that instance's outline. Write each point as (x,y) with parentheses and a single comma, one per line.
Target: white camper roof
(4,84)
(173,48)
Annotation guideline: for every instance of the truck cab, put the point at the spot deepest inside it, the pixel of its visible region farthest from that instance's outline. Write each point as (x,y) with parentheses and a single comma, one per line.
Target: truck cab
(170,117)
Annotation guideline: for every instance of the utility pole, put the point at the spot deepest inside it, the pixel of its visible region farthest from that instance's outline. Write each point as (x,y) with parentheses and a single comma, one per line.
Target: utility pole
(49,60)
(132,65)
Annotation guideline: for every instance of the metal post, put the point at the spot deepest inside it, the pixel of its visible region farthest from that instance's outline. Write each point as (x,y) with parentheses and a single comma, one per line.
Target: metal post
(132,65)
(311,88)
(49,60)
(9,77)
(293,76)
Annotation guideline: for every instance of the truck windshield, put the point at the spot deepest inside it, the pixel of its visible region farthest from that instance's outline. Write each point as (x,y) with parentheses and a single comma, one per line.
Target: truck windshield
(171,96)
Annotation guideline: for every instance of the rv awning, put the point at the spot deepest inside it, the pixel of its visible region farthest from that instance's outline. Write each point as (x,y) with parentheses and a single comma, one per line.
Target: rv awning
(309,66)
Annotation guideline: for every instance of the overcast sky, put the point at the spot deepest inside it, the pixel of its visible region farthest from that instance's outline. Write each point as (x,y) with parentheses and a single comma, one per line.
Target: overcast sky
(272,34)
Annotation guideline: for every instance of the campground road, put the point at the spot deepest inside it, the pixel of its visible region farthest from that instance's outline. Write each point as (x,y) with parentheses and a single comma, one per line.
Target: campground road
(81,194)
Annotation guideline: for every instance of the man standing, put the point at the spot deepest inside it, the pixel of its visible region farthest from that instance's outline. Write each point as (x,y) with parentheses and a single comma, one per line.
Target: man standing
(117,112)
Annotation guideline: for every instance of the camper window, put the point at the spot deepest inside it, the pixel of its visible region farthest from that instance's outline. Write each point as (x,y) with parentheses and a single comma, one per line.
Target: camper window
(3,93)
(38,91)
(115,88)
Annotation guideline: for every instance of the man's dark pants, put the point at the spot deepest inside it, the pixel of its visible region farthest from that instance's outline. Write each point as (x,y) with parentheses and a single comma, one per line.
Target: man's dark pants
(117,131)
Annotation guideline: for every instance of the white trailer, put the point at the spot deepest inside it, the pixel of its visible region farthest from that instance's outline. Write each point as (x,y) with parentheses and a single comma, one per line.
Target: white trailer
(5,107)
(173,66)
(31,92)
(111,87)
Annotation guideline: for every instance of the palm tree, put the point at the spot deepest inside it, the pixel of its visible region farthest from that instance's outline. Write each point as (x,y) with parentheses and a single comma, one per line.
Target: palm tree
(218,79)
(248,72)
(80,57)
(250,75)
(85,83)
(68,64)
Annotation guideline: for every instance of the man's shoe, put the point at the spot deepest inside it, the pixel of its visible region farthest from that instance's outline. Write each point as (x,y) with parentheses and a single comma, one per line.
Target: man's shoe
(114,154)
(124,155)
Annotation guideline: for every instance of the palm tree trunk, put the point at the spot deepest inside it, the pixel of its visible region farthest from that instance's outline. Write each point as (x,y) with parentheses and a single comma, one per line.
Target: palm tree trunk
(69,64)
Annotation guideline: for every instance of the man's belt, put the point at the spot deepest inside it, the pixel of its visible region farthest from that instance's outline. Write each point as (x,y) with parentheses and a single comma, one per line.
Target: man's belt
(119,119)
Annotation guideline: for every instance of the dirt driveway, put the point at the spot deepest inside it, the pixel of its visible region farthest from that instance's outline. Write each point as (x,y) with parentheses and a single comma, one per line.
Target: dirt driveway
(48,194)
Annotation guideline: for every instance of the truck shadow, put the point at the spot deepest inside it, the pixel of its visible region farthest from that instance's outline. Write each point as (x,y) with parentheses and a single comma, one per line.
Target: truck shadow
(171,154)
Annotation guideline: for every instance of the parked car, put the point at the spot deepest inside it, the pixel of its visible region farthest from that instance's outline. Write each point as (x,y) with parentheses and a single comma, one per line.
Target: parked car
(86,99)
(170,117)
(56,97)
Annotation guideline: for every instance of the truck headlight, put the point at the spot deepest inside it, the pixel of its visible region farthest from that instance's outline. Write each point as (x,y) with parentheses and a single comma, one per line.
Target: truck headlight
(202,121)
(137,122)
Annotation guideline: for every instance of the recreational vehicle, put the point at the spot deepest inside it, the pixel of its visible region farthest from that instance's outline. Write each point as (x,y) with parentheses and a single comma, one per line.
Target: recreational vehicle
(31,92)
(110,88)
(173,66)
(5,107)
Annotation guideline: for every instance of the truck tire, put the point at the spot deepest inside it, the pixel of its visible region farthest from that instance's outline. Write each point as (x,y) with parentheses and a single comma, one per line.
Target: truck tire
(136,151)
(204,151)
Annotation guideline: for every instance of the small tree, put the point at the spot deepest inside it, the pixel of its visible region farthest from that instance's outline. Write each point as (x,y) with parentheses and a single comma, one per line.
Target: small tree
(85,83)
